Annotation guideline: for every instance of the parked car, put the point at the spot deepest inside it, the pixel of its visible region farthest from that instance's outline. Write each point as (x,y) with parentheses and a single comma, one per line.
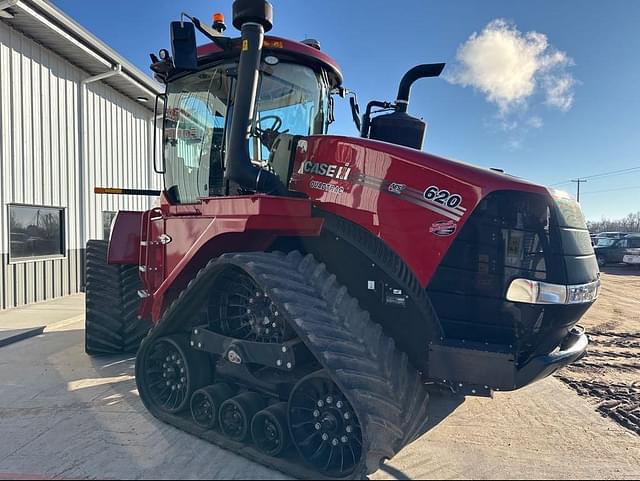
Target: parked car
(613,251)
(595,238)
(632,257)
(611,235)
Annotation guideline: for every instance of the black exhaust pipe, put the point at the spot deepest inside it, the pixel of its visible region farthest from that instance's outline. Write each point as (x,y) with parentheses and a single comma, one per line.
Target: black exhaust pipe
(253,18)
(399,127)
(416,73)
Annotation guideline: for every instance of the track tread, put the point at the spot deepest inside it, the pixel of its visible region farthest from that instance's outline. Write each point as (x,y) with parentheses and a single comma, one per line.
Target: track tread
(340,334)
(112,324)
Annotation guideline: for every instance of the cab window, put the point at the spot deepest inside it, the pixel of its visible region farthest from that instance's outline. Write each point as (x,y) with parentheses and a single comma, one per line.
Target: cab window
(194,131)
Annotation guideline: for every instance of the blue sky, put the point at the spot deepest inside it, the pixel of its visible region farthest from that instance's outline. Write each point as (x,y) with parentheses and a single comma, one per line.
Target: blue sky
(590,58)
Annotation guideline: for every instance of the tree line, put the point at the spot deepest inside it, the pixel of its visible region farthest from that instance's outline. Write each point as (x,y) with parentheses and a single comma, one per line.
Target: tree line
(630,223)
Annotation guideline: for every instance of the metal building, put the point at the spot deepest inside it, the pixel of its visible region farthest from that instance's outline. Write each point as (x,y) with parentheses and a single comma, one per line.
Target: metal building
(73,115)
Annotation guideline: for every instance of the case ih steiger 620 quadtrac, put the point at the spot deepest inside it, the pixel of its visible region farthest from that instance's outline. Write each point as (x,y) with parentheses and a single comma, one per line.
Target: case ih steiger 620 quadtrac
(306,291)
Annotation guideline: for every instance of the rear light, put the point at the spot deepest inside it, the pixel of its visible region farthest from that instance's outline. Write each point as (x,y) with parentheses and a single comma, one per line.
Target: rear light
(534,292)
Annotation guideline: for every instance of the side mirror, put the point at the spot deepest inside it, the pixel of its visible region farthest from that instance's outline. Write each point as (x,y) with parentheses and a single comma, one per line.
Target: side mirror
(183,43)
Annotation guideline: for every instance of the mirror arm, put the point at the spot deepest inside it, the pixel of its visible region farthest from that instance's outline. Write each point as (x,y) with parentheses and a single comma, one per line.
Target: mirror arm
(216,37)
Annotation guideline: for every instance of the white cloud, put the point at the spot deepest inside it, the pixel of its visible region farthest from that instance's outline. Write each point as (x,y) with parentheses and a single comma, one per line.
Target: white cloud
(559,91)
(510,67)
(535,122)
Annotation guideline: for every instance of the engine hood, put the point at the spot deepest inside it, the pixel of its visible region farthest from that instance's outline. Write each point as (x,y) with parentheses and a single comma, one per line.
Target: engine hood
(404,196)
(380,155)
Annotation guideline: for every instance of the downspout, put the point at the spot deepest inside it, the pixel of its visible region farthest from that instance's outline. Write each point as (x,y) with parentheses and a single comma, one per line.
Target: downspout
(4,4)
(83,171)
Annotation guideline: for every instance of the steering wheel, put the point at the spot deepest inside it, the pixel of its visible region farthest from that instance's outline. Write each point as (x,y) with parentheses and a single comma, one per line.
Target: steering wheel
(269,135)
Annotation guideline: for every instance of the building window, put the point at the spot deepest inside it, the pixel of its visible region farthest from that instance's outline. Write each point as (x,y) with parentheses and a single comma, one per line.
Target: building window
(107,220)
(36,232)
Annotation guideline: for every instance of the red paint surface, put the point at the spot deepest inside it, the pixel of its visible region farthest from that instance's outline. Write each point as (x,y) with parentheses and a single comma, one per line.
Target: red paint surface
(124,247)
(200,232)
(402,225)
(276,44)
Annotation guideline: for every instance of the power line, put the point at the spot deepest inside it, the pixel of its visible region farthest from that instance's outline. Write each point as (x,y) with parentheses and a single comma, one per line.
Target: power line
(611,190)
(601,175)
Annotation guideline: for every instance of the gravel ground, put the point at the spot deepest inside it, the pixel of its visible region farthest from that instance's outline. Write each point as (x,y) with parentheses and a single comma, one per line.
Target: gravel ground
(609,377)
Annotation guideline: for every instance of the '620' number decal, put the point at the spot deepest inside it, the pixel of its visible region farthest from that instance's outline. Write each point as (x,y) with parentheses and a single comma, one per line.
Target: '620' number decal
(443,197)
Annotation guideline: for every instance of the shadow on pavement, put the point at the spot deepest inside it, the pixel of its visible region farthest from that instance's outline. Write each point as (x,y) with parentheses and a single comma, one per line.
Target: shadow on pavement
(11,336)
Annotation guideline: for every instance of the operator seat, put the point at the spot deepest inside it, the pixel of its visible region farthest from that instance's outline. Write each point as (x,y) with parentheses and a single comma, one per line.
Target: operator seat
(282,156)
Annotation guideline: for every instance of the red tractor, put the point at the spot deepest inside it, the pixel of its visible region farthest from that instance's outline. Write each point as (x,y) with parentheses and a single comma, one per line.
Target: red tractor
(306,291)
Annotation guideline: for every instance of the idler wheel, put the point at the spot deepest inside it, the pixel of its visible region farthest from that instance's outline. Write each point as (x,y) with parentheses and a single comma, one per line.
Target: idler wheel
(170,372)
(324,426)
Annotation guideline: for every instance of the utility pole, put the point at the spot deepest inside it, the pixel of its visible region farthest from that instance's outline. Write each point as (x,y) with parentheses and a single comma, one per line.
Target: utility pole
(579,182)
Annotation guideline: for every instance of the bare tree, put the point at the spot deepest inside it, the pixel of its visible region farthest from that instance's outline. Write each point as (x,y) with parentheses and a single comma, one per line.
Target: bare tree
(631,223)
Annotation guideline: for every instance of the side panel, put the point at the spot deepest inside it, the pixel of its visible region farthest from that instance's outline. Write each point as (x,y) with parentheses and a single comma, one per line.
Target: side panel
(195,234)
(416,203)
(124,245)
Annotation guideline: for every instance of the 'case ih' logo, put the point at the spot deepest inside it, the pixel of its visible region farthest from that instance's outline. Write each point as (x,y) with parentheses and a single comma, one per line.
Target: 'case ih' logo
(325,170)
(444,228)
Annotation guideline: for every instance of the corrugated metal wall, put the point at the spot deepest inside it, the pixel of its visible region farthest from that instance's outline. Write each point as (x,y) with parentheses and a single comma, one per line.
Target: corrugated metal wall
(117,145)
(39,156)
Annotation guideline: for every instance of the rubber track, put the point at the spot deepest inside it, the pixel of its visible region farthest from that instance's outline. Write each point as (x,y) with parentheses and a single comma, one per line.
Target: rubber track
(385,391)
(112,324)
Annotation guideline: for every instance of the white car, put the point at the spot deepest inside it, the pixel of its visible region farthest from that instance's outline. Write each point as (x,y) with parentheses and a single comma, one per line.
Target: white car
(632,257)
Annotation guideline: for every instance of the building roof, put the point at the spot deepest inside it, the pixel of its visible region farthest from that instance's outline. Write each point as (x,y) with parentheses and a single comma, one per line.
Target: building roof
(52,28)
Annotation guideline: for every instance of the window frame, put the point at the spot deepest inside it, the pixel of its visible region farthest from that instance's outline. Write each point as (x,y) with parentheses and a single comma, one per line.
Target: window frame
(228,64)
(63,235)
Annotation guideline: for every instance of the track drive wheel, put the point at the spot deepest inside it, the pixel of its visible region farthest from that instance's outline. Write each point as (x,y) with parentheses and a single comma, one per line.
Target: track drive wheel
(168,373)
(324,427)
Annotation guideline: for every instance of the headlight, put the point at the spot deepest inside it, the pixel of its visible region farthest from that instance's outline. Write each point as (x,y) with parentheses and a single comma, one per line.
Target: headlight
(583,293)
(536,292)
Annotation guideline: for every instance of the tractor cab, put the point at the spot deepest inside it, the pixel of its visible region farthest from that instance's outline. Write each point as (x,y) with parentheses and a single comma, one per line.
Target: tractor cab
(294,86)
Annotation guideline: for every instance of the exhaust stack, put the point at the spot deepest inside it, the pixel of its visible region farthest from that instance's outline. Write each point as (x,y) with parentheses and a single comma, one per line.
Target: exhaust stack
(399,127)
(253,18)
(416,73)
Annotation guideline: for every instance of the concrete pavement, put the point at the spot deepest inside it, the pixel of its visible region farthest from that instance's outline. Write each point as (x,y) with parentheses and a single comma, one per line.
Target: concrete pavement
(65,415)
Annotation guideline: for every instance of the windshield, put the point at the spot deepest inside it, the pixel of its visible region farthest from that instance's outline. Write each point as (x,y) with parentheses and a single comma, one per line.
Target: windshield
(605,242)
(293,99)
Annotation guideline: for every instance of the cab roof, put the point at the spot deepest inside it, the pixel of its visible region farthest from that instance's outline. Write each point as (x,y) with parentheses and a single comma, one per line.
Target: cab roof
(276,45)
